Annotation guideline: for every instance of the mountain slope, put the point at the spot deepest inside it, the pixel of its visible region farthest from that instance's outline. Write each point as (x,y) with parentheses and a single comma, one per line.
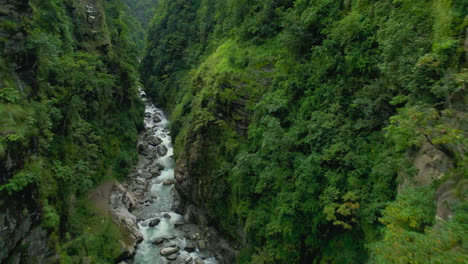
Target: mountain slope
(70,112)
(316,131)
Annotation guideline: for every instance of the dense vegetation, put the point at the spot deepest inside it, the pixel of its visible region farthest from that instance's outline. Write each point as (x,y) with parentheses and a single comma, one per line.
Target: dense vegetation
(307,117)
(140,13)
(70,114)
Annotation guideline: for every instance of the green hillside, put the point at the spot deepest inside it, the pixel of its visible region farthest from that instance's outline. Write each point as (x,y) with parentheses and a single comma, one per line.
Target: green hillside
(302,126)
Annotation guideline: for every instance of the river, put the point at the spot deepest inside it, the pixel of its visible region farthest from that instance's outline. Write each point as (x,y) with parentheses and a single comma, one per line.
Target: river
(167,237)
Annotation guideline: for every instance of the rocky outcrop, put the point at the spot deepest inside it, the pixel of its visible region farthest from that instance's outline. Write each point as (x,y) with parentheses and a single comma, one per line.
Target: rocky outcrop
(121,201)
(22,239)
(433,165)
(191,187)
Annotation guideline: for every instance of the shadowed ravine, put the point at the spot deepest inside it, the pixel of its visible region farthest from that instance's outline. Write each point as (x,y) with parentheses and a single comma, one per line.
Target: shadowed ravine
(167,238)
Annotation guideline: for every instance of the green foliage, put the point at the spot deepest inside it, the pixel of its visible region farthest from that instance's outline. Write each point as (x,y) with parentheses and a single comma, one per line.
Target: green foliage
(413,210)
(69,114)
(91,234)
(408,239)
(23,178)
(304,114)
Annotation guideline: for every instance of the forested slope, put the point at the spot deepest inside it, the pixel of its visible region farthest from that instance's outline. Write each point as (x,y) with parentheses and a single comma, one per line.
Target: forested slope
(319,131)
(69,111)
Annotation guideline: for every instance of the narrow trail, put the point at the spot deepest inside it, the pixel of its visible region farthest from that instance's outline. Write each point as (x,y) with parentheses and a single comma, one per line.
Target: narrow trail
(167,237)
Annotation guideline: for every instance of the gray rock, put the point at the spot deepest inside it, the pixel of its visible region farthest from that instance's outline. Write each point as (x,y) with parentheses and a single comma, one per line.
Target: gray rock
(162,150)
(153,140)
(158,241)
(154,222)
(121,197)
(156,167)
(146,175)
(190,247)
(169,251)
(172,257)
(156,119)
(120,200)
(199,261)
(168,182)
(143,149)
(149,132)
(167,216)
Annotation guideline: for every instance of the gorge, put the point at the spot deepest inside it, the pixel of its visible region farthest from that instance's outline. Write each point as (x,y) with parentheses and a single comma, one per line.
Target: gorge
(219,132)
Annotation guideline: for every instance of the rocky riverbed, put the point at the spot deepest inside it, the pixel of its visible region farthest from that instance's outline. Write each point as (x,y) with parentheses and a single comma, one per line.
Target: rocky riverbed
(149,209)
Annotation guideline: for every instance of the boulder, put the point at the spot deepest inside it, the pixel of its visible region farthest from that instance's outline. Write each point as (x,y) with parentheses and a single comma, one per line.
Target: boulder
(172,257)
(199,261)
(169,251)
(158,241)
(148,138)
(167,216)
(127,223)
(162,150)
(121,197)
(143,148)
(149,132)
(156,167)
(154,222)
(153,140)
(155,171)
(156,119)
(120,200)
(168,182)
(190,247)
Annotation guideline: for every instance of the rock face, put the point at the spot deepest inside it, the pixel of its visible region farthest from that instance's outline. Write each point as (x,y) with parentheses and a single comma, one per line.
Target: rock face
(22,239)
(432,165)
(20,229)
(191,188)
(120,201)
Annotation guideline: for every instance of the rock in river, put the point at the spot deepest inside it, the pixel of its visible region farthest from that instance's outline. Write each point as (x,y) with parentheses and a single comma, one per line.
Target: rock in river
(143,149)
(156,119)
(153,140)
(169,251)
(154,222)
(168,182)
(158,241)
(172,257)
(190,247)
(162,150)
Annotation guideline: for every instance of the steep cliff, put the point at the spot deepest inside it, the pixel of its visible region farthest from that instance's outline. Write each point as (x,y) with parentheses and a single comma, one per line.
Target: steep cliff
(318,131)
(69,113)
